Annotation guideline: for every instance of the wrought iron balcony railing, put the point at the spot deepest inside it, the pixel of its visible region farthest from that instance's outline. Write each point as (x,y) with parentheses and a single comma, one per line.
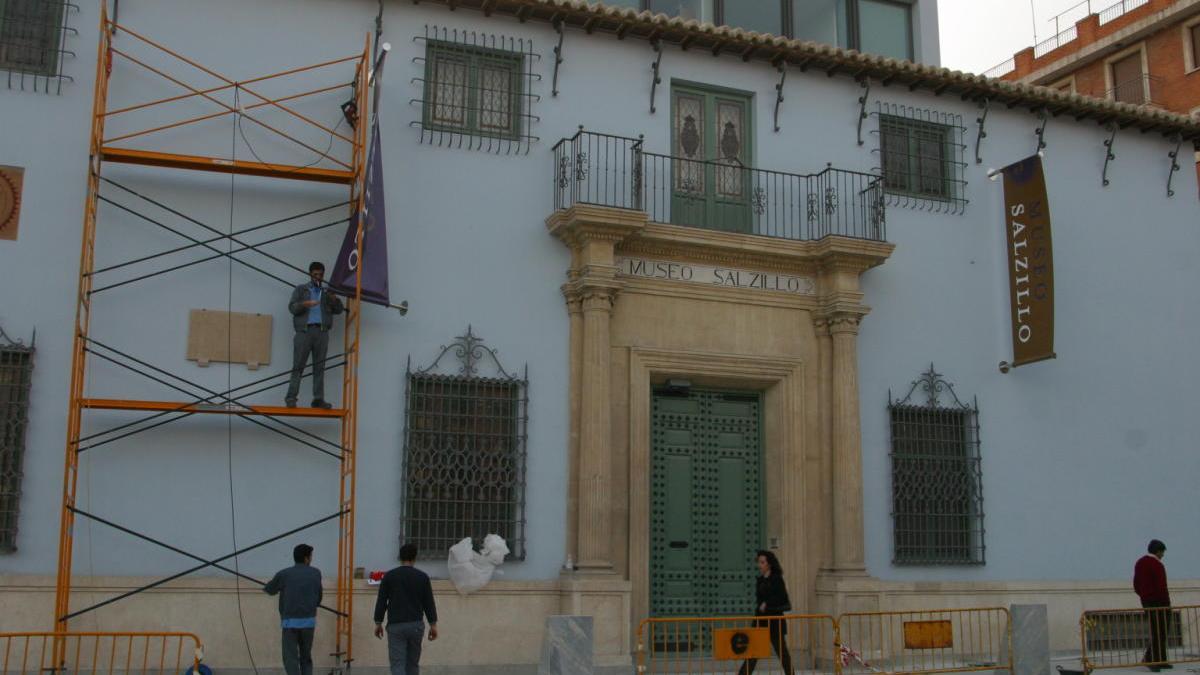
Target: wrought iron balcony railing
(607,170)
(1140,90)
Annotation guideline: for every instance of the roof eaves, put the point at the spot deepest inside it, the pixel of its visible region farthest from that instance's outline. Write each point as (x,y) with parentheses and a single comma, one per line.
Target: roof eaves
(691,34)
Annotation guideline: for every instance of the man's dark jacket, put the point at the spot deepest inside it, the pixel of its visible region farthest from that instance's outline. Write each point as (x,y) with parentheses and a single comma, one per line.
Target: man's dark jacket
(330,305)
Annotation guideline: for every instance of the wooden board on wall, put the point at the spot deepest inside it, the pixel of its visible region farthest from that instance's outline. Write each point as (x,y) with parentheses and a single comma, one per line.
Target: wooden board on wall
(11,181)
(229,337)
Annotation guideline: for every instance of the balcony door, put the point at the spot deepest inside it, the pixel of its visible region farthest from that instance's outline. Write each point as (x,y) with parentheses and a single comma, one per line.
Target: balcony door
(711,134)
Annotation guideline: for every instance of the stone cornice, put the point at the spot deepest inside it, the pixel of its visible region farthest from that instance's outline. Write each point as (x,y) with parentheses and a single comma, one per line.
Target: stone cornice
(780,255)
(582,223)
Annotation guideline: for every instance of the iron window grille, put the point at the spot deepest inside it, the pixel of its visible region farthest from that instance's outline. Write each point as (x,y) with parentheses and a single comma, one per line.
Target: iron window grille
(921,158)
(477,90)
(464,452)
(16,377)
(33,34)
(937,487)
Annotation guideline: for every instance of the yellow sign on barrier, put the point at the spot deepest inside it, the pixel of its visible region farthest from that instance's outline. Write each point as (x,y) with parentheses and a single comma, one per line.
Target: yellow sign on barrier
(928,635)
(741,643)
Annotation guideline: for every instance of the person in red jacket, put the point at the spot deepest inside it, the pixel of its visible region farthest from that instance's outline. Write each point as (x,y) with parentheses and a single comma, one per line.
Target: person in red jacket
(1150,583)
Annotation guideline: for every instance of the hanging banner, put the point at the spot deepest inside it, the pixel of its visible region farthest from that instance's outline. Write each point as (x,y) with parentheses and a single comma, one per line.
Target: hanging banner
(1030,261)
(374,246)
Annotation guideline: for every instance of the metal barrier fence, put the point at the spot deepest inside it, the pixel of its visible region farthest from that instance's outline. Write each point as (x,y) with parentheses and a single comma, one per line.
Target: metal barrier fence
(99,652)
(1129,638)
(788,644)
(608,170)
(926,641)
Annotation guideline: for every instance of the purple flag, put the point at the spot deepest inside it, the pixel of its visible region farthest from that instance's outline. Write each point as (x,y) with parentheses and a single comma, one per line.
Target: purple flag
(374,245)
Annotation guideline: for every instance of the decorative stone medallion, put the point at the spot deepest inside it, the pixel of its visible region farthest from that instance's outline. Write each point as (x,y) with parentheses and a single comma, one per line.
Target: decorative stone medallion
(11,179)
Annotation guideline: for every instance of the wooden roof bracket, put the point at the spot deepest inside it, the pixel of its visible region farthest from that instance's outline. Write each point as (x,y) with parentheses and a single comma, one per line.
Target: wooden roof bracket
(655,44)
(782,67)
(1108,153)
(558,59)
(1041,130)
(865,83)
(1174,155)
(981,121)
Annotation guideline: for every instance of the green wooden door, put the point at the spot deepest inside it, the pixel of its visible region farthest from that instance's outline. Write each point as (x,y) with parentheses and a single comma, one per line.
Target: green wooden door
(706,503)
(710,139)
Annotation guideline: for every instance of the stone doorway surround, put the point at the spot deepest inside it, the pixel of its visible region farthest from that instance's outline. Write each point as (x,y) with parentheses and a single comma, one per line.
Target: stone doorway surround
(796,344)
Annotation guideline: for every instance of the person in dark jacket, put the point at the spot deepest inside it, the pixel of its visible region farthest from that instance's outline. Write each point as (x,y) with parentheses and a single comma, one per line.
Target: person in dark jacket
(312,307)
(299,591)
(1150,583)
(406,595)
(771,599)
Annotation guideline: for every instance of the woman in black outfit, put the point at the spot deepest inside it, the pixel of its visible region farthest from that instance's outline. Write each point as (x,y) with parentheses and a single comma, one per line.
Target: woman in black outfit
(771,599)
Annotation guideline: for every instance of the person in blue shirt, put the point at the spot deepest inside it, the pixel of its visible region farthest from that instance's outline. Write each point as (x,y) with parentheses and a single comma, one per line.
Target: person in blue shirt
(312,306)
(299,591)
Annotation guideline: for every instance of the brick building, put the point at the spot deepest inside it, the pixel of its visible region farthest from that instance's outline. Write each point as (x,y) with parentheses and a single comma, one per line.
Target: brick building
(1144,52)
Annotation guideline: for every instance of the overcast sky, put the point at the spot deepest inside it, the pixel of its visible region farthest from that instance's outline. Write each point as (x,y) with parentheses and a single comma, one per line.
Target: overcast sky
(979,34)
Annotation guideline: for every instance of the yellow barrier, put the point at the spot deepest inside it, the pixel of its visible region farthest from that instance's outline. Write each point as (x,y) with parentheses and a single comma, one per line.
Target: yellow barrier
(926,641)
(1124,638)
(94,653)
(788,644)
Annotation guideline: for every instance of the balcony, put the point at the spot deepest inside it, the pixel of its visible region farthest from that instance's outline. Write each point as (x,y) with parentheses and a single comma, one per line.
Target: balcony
(1143,90)
(721,195)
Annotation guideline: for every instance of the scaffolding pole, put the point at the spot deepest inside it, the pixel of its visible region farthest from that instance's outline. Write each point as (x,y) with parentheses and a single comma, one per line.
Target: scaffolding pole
(100,153)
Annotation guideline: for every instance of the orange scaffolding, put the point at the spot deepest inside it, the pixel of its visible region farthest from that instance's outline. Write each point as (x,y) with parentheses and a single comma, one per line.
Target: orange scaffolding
(104,150)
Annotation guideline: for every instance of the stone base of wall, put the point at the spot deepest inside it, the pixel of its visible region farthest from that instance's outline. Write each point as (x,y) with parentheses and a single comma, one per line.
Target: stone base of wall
(1065,600)
(500,625)
(500,628)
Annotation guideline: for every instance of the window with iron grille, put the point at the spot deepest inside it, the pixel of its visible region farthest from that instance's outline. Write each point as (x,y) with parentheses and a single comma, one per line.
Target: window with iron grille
(920,155)
(16,376)
(937,492)
(915,157)
(476,90)
(32,33)
(464,453)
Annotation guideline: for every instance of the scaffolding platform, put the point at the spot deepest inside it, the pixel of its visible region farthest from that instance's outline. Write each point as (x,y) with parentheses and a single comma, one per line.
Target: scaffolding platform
(210,408)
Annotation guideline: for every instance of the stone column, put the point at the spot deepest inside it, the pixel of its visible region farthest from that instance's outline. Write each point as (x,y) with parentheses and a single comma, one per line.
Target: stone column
(592,233)
(848,552)
(575,320)
(825,433)
(595,463)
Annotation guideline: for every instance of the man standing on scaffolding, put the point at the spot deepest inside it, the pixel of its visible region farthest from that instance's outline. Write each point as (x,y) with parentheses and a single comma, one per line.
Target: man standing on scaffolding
(312,307)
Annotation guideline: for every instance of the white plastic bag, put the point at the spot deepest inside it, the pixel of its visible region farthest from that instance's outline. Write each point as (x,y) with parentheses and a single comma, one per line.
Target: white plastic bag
(471,571)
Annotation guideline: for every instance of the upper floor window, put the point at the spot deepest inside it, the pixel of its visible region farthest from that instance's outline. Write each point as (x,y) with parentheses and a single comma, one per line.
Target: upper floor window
(32,44)
(1128,81)
(472,90)
(31,35)
(921,158)
(880,27)
(477,90)
(916,157)
(1191,45)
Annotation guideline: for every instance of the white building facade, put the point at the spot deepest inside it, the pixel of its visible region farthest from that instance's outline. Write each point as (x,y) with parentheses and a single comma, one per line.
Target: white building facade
(676,293)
